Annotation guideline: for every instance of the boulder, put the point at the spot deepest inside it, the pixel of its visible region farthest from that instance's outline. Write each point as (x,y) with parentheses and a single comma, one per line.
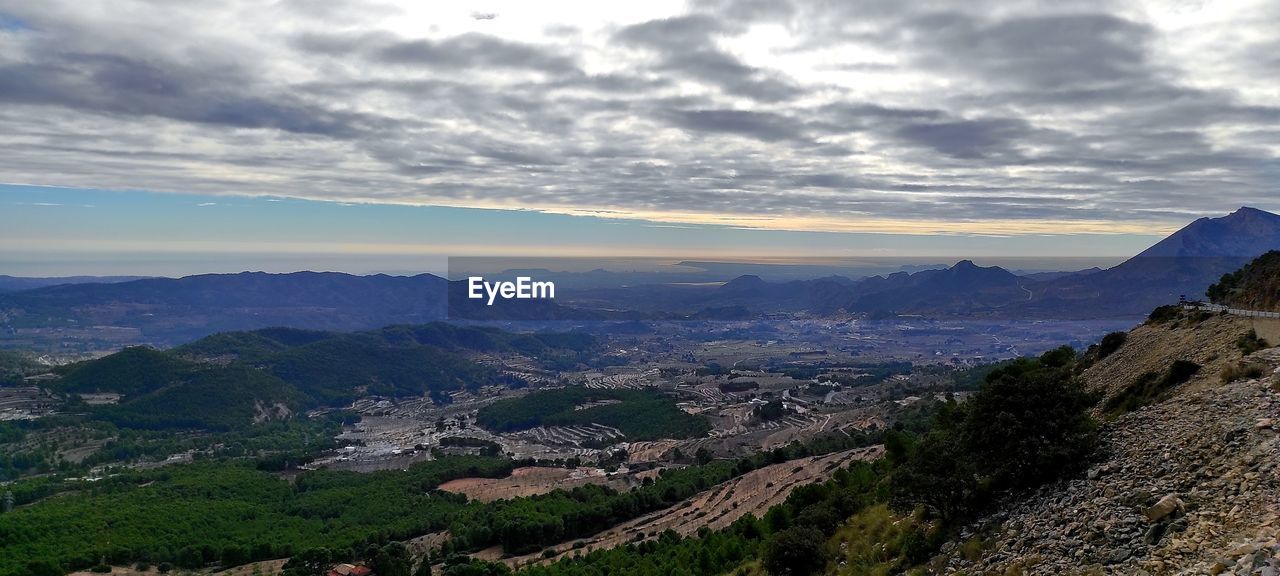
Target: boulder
(1167,505)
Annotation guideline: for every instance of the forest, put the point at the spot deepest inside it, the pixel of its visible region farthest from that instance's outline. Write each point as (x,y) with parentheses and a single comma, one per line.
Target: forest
(231,511)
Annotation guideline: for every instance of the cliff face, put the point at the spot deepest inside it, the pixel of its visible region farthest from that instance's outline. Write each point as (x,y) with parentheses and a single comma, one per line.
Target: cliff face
(1189,484)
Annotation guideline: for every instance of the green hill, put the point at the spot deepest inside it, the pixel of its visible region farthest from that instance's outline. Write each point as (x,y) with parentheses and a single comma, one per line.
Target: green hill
(338,369)
(132,371)
(232,379)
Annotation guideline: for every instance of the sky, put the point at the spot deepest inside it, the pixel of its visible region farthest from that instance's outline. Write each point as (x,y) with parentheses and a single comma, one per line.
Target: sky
(154,137)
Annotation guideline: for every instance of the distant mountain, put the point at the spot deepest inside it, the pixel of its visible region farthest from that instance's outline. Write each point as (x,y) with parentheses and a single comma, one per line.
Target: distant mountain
(174,310)
(18,283)
(1047,276)
(963,289)
(1184,264)
(1245,233)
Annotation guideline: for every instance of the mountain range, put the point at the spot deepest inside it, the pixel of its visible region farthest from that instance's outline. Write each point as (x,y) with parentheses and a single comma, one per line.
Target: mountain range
(170,311)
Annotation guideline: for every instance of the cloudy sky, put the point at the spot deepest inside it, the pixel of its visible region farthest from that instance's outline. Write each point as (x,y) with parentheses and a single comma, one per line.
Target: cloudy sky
(816,126)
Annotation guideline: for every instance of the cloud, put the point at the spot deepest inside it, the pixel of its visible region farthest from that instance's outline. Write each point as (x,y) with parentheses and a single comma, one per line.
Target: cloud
(808,112)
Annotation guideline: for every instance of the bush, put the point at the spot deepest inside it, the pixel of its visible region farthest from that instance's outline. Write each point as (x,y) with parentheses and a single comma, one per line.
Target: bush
(1027,425)
(1150,387)
(1242,371)
(101,569)
(1111,343)
(1164,314)
(1250,343)
(797,551)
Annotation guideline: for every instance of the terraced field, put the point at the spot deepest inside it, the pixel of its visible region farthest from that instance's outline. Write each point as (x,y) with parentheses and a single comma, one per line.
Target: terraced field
(716,508)
(534,480)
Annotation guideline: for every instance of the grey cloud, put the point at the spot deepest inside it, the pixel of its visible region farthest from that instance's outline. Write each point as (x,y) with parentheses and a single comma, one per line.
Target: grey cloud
(337,107)
(475,51)
(686,46)
(763,126)
(119,85)
(967,138)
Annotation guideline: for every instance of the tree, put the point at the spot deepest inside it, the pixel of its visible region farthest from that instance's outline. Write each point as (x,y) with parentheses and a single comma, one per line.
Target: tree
(424,567)
(44,568)
(311,562)
(797,551)
(391,560)
(1029,424)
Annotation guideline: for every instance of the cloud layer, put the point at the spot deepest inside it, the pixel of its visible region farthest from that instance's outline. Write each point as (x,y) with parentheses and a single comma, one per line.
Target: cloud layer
(877,115)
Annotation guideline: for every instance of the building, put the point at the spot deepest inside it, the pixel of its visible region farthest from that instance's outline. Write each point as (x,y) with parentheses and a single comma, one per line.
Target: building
(350,570)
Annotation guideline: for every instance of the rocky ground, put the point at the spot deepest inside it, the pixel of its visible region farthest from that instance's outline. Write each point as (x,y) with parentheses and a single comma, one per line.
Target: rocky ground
(1190,485)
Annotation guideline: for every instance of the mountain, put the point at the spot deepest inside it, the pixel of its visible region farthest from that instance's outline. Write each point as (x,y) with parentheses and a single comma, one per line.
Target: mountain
(18,283)
(962,289)
(272,373)
(174,310)
(1184,264)
(1048,276)
(1243,233)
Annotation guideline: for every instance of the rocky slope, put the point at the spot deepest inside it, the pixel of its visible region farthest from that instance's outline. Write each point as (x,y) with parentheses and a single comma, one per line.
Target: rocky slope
(1188,485)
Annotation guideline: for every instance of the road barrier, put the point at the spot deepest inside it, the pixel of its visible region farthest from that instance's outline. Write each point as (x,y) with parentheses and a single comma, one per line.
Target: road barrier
(1233,311)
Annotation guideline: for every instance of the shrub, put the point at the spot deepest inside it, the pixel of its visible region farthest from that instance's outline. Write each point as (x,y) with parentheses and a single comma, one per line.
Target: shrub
(101,569)
(1242,371)
(1028,424)
(1111,343)
(797,551)
(1150,387)
(1250,343)
(1164,314)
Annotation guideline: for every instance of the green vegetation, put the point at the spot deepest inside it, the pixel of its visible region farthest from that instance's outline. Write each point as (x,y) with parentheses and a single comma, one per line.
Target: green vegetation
(788,540)
(1111,343)
(272,373)
(1150,388)
(1250,343)
(877,541)
(14,366)
(227,512)
(199,514)
(1028,424)
(639,414)
(34,446)
(934,482)
(1256,286)
(1242,371)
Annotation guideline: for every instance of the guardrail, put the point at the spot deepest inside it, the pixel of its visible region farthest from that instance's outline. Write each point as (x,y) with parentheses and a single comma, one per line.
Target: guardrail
(1234,311)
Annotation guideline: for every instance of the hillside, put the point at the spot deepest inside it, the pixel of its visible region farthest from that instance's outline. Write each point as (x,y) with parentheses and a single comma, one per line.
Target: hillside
(1254,287)
(271,373)
(1186,485)
(158,391)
